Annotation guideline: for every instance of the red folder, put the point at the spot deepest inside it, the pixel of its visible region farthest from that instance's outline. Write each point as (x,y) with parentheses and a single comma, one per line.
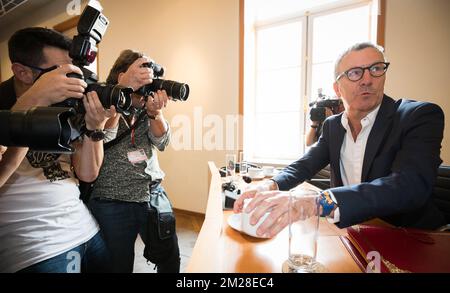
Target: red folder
(400,249)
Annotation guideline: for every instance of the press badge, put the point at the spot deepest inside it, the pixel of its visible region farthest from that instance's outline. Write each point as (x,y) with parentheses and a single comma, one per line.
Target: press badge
(137,156)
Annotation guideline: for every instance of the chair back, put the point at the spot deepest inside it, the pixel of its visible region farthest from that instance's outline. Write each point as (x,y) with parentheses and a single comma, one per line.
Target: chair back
(322,178)
(441,191)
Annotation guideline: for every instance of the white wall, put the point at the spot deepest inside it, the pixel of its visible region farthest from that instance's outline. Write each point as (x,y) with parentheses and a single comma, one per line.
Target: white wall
(418,46)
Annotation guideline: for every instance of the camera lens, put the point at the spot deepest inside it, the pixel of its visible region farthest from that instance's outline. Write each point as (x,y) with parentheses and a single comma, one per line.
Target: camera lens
(113,95)
(121,98)
(178,91)
(42,129)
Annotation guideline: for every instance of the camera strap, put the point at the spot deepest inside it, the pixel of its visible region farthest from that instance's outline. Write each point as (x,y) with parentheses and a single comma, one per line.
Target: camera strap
(125,133)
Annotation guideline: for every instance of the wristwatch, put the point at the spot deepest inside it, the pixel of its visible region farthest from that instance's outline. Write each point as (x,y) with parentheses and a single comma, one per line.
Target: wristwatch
(95,135)
(328,205)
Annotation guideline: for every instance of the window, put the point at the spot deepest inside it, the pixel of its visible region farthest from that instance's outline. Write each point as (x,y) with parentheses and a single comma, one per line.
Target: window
(289,53)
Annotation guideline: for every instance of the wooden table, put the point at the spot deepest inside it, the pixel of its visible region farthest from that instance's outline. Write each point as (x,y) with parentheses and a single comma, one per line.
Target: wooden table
(221,249)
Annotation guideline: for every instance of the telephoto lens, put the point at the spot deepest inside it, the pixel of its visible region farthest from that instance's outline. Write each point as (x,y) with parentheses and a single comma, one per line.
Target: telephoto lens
(178,91)
(45,129)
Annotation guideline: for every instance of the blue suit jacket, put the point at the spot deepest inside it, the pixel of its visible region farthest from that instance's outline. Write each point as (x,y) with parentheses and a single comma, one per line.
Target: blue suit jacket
(399,168)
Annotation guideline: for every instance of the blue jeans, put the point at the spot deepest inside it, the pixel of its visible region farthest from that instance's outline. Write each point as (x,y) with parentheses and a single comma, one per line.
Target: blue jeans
(89,257)
(120,223)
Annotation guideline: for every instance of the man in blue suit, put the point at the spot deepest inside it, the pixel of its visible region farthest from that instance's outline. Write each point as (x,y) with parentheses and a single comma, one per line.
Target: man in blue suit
(383,155)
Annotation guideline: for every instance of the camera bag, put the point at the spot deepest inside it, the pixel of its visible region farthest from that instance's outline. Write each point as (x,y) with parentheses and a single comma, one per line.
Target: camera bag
(162,243)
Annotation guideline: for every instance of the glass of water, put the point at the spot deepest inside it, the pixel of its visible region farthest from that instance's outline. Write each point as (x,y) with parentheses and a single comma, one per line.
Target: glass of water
(242,164)
(230,163)
(304,218)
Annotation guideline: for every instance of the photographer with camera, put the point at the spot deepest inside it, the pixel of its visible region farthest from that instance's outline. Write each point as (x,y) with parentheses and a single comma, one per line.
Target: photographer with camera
(128,196)
(44,226)
(323,108)
(50,88)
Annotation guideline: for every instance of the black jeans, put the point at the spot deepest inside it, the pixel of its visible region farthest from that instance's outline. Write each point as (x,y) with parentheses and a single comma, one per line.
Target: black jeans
(120,223)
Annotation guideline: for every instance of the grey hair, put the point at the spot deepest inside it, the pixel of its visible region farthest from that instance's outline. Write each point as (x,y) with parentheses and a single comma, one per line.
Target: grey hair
(356,47)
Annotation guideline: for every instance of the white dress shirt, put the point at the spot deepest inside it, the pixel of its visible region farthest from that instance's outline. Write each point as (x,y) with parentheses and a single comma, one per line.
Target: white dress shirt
(352,153)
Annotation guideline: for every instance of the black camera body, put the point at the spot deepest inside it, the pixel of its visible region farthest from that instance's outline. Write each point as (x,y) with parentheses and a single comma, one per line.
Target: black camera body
(91,28)
(116,95)
(231,192)
(178,91)
(328,103)
(318,112)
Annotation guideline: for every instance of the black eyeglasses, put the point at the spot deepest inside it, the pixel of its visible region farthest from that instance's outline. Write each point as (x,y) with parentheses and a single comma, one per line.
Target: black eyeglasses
(43,70)
(356,73)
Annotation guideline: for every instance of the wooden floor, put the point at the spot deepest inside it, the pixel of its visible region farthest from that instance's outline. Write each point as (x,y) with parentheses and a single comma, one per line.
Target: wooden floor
(188,227)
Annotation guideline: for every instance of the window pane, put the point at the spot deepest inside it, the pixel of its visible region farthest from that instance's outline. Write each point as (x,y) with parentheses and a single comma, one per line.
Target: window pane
(278,91)
(269,9)
(278,136)
(322,77)
(334,32)
(279,46)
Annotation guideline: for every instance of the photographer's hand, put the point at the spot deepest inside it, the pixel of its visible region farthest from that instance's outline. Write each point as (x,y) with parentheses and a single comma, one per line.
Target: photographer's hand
(156,103)
(88,156)
(311,133)
(96,115)
(51,88)
(153,106)
(136,76)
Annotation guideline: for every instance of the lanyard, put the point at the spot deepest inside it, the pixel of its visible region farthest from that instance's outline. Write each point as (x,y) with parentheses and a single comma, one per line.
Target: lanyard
(133,131)
(126,132)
